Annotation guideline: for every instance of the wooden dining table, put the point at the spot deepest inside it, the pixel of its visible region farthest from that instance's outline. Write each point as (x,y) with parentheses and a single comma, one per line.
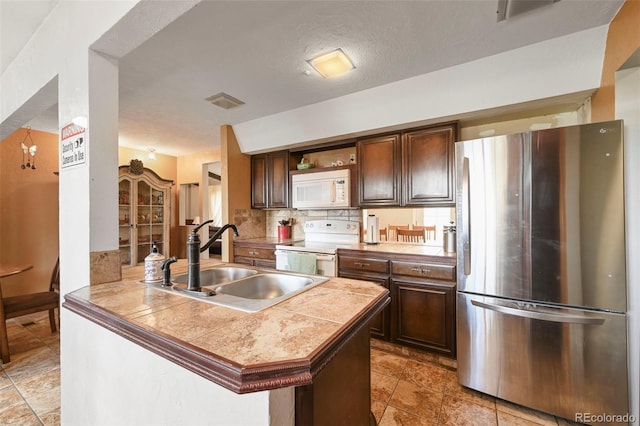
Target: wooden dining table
(8,269)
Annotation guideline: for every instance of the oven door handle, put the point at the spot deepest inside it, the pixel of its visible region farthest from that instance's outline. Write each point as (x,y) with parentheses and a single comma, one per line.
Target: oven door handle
(328,257)
(319,256)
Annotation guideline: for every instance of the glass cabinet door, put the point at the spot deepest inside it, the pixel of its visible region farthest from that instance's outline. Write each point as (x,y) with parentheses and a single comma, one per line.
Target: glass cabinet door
(144,221)
(157,217)
(144,218)
(124,221)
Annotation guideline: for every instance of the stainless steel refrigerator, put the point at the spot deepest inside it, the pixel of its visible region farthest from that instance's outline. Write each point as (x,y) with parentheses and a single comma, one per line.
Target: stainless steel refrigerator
(541,270)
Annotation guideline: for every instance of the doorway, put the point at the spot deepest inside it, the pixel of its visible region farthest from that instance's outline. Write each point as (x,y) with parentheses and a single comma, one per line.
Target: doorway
(212,202)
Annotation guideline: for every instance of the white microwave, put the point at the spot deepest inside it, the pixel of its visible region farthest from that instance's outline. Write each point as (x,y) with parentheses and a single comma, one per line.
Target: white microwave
(321,190)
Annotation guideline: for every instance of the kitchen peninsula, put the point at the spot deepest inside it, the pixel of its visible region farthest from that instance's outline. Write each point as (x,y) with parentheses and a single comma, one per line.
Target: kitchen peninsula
(301,361)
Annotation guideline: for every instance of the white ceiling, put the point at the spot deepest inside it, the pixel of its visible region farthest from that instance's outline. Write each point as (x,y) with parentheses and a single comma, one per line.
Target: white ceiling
(256,51)
(18,20)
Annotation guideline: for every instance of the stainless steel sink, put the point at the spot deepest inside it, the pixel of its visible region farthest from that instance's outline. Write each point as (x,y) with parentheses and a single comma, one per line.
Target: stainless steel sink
(246,289)
(265,286)
(217,276)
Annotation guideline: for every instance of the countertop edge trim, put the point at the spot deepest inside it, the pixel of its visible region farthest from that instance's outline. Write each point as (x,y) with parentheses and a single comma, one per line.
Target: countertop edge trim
(224,373)
(324,357)
(229,375)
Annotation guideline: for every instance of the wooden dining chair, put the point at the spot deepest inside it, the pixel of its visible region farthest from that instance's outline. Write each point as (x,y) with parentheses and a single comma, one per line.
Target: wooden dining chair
(410,235)
(391,231)
(16,306)
(429,231)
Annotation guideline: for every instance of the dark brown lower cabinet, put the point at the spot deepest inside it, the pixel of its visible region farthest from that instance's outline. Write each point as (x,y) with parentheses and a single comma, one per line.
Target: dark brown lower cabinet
(423,315)
(261,255)
(379,326)
(422,311)
(341,394)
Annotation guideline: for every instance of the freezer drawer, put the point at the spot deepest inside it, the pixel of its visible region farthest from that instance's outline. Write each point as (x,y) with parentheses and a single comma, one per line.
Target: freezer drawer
(558,360)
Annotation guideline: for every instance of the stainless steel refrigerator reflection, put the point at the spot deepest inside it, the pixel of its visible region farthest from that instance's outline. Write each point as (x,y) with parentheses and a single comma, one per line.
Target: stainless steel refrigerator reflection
(541,269)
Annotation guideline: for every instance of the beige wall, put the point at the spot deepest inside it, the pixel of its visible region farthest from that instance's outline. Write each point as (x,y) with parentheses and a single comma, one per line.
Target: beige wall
(190,166)
(164,165)
(190,171)
(236,185)
(622,41)
(29,211)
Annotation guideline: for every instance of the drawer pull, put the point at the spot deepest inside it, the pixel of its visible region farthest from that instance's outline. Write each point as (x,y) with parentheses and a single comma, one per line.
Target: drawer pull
(361,265)
(422,271)
(253,253)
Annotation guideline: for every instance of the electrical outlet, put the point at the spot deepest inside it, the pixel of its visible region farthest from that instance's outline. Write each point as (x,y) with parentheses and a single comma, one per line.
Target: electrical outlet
(352,158)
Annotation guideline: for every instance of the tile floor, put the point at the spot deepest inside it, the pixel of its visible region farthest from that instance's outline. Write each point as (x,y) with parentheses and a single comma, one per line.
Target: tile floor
(30,383)
(408,387)
(411,388)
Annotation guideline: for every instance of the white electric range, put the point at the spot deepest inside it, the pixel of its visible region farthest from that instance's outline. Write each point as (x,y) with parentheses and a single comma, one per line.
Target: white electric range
(322,238)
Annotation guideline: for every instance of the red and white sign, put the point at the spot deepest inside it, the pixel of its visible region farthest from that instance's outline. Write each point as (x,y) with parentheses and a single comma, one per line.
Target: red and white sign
(73,146)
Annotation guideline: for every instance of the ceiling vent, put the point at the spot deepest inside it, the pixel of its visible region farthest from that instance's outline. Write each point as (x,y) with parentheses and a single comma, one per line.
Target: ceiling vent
(510,8)
(224,101)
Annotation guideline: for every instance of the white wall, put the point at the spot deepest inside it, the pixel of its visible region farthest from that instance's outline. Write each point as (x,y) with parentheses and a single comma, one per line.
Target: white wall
(520,125)
(67,32)
(565,65)
(628,109)
(98,366)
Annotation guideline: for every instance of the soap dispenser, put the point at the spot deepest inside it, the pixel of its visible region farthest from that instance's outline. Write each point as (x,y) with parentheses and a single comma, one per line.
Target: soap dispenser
(153,265)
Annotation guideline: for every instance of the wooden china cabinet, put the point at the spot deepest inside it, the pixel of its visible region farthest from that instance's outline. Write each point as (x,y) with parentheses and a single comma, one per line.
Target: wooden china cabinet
(144,200)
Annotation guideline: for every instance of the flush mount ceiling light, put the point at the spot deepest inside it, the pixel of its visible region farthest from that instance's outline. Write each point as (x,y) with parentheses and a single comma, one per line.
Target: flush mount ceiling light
(224,101)
(332,64)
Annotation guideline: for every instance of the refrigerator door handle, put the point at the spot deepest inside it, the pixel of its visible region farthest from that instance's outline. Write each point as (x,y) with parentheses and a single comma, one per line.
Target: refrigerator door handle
(544,316)
(466,215)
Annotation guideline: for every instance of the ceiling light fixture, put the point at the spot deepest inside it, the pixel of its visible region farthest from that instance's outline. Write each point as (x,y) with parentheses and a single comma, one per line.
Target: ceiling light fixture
(332,64)
(152,153)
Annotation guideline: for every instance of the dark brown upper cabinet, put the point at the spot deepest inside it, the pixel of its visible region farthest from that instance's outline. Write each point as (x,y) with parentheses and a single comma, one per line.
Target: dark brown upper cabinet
(270,180)
(379,169)
(411,168)
(427,166)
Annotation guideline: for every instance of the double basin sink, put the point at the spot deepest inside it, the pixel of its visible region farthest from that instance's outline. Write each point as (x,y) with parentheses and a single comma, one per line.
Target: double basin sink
(246,289)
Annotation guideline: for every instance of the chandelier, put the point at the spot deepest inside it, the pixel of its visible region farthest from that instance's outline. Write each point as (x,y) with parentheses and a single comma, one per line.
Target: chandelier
(28,151)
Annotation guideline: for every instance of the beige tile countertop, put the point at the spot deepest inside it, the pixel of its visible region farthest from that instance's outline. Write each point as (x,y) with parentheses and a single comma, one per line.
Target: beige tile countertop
(283,345)
(268,240)
(402,248)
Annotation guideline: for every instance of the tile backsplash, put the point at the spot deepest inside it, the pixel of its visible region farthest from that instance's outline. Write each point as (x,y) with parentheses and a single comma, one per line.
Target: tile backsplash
(439,216)
(301,216)
(251,223)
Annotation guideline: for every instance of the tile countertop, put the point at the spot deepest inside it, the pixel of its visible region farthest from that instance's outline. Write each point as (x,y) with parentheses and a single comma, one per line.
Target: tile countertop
(402,248)
(268,240)
(284,345)
(395,248)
